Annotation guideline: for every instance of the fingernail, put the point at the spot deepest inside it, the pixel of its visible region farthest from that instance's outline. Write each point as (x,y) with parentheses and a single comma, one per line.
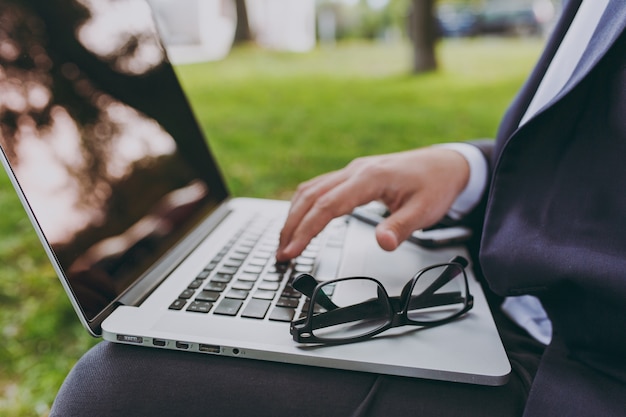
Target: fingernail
(282,253)
(387,239)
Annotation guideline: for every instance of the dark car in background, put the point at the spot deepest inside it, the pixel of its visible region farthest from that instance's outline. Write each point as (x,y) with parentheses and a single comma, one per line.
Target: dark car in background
(456,21)
(507,18)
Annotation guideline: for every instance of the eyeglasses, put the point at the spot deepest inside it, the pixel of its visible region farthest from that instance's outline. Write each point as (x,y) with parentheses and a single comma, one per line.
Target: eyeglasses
(352,309)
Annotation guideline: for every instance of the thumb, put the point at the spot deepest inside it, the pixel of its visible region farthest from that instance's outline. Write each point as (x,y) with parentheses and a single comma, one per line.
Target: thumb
(386,237)
(395,229)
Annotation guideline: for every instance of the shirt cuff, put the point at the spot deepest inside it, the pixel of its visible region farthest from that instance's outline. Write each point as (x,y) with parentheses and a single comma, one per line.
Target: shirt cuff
(477,183)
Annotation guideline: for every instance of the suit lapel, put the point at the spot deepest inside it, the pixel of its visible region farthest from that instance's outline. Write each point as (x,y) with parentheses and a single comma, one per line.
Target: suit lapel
(609,28)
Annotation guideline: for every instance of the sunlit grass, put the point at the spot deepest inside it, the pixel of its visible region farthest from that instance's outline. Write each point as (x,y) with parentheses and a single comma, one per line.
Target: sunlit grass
(275,119)
(272,119)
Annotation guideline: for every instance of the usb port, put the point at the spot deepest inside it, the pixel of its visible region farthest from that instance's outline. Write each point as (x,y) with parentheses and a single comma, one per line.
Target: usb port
(182,345)
(159,342)
(209,348)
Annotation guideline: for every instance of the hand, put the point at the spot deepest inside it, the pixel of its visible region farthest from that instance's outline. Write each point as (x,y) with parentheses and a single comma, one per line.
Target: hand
(417,186)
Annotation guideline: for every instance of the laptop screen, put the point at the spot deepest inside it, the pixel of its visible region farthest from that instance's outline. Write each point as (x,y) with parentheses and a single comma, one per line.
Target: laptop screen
(100,139)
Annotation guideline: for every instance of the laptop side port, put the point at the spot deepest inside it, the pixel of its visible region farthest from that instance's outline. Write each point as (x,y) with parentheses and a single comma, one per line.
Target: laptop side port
(159,342)
(129,338)
(209,348)
(182,345)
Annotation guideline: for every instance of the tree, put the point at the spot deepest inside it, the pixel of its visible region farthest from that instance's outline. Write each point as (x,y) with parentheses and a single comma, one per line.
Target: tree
(242,30)
(423,34)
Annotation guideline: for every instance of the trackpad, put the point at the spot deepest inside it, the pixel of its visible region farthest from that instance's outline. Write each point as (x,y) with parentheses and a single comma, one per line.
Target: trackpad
(362,256)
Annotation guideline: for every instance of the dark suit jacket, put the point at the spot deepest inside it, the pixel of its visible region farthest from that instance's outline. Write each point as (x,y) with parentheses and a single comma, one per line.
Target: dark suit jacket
(555,222)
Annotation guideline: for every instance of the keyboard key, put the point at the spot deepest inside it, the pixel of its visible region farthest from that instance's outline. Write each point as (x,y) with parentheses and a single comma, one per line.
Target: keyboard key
(228,307)
(288,302)
(302,260)
(211,266)
(243,251)
(282,314)
(203,274)
(196,283)
(291,292)
(200,306)
(268,247)
(256,309)
(227,270)
(308,253)
(264,294)
(188,293)
(303,268)
(243,285)
(206,295)
(220,277)
(233,263)
(178,304)
(215,286)
(237,294)
(269,285)
(256,261)
(263,253)
(253,269)
(273,277)
(238,256)
(248,277)
(249,240)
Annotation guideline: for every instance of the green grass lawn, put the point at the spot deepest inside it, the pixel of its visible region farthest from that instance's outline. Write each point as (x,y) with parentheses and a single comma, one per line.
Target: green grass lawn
(273,120)
(277,119)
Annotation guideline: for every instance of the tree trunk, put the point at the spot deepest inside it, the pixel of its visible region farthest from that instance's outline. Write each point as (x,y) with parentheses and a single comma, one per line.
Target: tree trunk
(242,30)
(423,34)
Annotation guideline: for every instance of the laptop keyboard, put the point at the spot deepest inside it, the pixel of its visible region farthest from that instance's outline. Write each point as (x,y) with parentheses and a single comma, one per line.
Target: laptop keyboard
(244,280)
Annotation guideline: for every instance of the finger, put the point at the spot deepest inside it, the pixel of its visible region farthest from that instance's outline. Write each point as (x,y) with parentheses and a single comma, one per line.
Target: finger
(306,195)
(338,201)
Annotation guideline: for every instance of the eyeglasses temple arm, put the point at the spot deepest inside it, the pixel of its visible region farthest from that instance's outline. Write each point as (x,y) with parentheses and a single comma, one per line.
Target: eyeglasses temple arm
(364,310)
(306,284)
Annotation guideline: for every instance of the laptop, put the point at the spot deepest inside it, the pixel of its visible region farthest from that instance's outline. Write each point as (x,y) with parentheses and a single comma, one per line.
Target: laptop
(116,176)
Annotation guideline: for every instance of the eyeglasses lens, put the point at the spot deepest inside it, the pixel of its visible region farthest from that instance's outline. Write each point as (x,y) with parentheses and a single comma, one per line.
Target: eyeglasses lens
(439,293)
(362,307)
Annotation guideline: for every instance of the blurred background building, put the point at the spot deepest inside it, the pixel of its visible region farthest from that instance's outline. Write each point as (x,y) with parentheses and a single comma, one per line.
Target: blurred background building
(204,30)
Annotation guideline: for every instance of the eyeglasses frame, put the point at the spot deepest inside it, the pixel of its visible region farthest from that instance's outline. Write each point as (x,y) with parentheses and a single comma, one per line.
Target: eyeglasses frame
(302,329)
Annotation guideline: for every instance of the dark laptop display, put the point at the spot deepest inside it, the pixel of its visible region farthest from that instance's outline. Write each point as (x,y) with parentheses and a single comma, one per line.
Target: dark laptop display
(86,126)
